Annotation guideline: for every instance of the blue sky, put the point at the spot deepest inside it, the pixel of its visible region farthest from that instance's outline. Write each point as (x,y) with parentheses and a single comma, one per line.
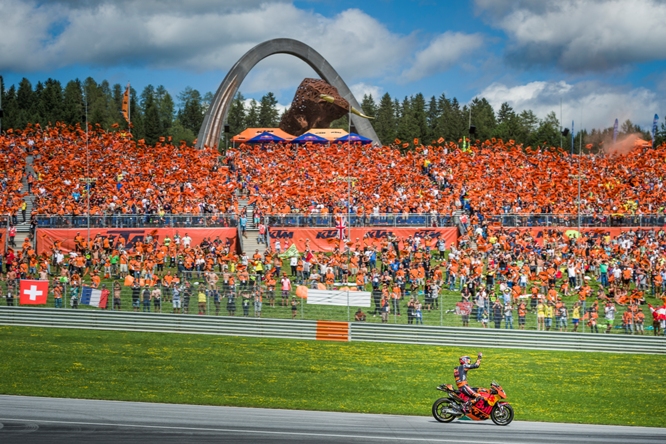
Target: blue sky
(603,59)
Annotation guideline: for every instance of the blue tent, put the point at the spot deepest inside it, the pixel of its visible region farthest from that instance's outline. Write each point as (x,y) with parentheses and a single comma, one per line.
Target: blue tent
(266,137)
(309,137)
(353,138)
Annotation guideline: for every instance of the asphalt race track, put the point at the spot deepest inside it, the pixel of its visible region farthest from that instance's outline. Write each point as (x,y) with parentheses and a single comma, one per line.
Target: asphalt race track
(50,420)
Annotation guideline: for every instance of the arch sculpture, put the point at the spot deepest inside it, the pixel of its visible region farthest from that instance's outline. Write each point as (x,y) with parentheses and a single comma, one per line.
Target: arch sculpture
(210,131)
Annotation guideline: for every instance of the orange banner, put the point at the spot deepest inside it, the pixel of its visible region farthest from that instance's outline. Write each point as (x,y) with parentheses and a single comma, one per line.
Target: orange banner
(3,240)
(46,237)
(327,239)
(538,233)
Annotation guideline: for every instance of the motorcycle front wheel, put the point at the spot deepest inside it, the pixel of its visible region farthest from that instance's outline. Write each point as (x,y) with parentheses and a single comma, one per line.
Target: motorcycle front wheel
(502,414)
(439,410)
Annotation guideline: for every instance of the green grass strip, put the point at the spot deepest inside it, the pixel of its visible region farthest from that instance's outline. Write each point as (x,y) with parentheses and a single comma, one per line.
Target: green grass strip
(574,387)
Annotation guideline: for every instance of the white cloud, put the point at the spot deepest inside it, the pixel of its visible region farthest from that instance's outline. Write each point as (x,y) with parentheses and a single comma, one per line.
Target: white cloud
(580,35)
(442,54)
(361,89)
(203,36)
(596,104)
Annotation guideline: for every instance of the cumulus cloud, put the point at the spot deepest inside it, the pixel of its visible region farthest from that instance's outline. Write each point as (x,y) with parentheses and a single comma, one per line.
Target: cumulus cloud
(579,35)
(199,36)
(361,89)
(442,54)
(596,104)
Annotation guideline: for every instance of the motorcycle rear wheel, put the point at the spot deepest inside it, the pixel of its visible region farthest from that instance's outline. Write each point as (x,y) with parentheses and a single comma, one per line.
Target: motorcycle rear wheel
(502,415)
(443,404)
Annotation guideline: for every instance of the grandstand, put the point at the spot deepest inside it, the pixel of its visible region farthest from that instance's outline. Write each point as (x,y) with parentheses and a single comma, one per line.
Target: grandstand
(459,215)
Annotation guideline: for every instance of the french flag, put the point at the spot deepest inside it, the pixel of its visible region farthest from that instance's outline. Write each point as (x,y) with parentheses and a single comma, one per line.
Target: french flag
(92,296)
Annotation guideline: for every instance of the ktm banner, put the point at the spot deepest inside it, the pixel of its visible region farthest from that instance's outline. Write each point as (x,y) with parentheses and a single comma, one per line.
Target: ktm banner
(47,237)
(328,239)
(539,233)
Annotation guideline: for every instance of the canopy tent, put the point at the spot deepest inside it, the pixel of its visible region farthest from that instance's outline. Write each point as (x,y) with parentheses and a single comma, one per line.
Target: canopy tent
(249,133)
(266,137)
(309,137)
(329,134)
(353,138)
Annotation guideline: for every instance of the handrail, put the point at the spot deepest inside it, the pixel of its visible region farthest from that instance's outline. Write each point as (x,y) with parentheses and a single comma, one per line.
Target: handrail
(137,220)
(304,220)
(544,220)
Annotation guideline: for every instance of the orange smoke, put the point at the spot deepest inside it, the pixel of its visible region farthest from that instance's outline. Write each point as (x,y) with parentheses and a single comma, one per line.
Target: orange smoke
(624,144)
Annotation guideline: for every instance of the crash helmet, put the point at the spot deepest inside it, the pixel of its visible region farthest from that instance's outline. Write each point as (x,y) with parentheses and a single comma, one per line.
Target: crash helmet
(465,360)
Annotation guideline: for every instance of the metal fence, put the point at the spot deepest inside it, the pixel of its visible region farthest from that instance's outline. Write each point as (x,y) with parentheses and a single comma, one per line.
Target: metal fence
(272,328)
(507,339)
(310,330)
(138,221)
(330,221)
(440,220)
(574,220)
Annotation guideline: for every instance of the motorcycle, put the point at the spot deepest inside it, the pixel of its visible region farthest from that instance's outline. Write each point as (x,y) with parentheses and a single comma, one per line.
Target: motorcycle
(489,405)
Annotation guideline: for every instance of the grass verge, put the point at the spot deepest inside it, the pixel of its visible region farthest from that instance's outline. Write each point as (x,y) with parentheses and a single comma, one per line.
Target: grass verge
(598,388)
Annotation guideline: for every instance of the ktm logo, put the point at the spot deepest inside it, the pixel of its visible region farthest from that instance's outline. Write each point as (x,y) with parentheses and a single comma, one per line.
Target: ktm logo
(327,234)
(281,234)
(432,233)
(378,234)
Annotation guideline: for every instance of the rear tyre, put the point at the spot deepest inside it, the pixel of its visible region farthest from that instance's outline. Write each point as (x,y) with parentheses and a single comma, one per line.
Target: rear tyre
(502,414)
(439,410)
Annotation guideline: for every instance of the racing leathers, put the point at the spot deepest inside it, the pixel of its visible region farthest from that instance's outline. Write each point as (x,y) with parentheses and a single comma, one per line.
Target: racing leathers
(460,373)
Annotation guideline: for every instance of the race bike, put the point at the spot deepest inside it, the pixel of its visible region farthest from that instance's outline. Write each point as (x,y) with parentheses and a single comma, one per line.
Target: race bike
(490,404)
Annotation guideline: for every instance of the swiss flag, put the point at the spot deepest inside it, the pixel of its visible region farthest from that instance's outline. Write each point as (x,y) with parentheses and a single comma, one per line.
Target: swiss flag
(33,292)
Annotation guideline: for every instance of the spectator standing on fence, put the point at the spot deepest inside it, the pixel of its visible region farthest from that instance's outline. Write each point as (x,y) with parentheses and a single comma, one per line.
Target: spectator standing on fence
(257,304)
(146,299)
(541,316)
(246,304)
(117,293)
(186,295)
(136,295)
(508,316)
(497,313)
(550,312)
(385,309)
(418,312)
(294,308)
(175,298)
(156,296)
(57,295)
(201,299)
(286,288)
(609,314)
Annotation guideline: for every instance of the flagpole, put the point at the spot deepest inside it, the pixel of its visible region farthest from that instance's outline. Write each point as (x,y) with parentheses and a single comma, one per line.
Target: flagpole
(129,107)
(348,209)
(87,175)
(580,151)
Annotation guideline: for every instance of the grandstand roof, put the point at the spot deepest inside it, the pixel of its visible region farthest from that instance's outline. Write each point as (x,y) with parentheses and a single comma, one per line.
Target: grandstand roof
(253,132)
(329,133)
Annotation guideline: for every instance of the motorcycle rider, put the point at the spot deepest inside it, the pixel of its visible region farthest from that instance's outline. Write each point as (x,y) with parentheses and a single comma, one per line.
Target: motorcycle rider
(460,373)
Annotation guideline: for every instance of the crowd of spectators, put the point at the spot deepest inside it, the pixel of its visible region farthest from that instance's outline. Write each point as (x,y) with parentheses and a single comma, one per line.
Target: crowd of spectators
(490,178)
(502,276)
(124,176)
(12,169)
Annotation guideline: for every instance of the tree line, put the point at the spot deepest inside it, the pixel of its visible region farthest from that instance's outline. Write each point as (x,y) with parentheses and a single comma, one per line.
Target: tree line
(154,113)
